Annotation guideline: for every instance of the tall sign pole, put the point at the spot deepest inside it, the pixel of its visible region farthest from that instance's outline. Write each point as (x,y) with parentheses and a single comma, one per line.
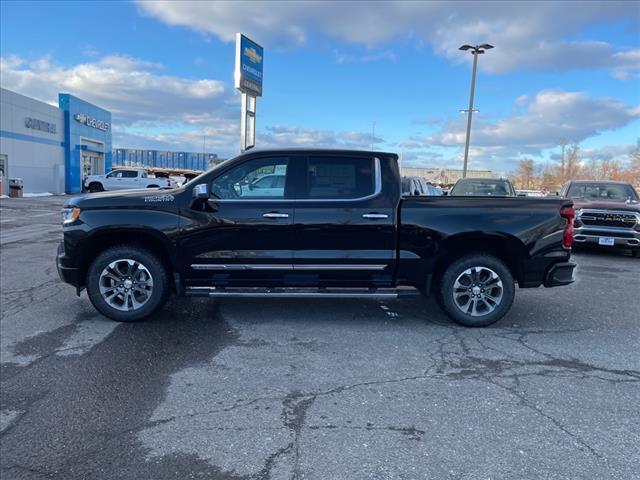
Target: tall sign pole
(248,80)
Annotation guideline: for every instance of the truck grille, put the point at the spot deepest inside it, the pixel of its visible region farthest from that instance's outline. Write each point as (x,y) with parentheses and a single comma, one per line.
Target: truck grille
(609,219)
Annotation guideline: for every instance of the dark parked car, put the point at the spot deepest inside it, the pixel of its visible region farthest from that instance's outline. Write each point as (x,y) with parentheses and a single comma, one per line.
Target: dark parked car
(607,214)
(481,187)
(339,227)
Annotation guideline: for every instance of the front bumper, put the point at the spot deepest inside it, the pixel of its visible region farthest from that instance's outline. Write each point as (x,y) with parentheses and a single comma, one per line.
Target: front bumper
(67,273)
(560,274)
(622,237)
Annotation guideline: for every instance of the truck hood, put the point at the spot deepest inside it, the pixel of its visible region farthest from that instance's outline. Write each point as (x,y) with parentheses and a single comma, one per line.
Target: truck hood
(126,198)
(606,205)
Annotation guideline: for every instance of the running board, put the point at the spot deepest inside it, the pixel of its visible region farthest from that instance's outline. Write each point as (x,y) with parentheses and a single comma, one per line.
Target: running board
(302,292)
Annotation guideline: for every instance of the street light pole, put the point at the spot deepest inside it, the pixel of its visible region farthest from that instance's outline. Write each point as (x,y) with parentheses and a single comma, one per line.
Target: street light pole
(475,51)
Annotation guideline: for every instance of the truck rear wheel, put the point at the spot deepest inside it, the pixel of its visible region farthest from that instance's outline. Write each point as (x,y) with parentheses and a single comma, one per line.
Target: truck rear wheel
(127,283)
(477,290)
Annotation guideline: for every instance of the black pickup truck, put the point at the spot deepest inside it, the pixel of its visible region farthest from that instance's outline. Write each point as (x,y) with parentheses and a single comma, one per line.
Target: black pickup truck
(311,223)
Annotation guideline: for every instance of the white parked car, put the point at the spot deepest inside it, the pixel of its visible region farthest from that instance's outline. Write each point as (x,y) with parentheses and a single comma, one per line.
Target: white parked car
(123,178)
(271,185)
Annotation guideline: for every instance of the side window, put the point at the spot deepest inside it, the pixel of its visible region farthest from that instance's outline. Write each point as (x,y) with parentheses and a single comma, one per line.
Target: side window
(340,177)
(254,179)
(115,174)
(129,174)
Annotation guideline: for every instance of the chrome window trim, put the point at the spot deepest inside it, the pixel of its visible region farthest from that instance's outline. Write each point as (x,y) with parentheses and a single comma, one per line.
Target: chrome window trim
(377,190)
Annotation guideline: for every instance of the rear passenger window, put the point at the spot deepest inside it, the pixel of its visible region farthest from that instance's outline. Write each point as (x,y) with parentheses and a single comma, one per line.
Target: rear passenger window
(340,177)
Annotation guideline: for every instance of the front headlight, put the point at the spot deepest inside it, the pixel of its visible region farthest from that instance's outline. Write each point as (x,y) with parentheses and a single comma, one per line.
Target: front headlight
(69,215)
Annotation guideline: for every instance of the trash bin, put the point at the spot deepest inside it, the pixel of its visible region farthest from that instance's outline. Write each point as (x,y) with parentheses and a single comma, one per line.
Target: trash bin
(16,185)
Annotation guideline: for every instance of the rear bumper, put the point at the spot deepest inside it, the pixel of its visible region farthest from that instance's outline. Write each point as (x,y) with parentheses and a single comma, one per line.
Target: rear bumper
(67,273)
(560,274)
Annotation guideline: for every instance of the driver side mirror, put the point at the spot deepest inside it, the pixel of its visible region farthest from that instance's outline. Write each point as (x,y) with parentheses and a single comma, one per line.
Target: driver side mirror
(201,191)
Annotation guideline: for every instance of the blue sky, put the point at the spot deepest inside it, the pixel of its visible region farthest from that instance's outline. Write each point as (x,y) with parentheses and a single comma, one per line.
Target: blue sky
(559,71)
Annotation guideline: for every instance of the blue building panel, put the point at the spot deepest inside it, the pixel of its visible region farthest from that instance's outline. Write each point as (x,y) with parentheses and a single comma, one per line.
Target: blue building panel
(87,129)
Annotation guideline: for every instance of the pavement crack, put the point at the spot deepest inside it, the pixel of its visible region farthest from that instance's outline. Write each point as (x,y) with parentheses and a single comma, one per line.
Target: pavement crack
(535,408)
(294,413)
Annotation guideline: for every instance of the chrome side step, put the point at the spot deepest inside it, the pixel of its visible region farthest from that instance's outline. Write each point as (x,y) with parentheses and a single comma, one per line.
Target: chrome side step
(292,292)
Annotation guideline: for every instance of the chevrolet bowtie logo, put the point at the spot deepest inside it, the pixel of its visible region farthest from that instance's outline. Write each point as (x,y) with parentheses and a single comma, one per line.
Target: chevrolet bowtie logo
(254,56)
(81,117)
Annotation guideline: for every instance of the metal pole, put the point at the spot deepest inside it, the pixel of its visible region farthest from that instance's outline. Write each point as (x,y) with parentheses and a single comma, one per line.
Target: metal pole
(373,134)
(248,122)
(473,85)
(243,123)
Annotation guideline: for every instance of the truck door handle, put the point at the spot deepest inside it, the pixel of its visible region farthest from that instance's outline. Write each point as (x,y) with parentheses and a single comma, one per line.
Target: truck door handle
(375,216)
(275,215)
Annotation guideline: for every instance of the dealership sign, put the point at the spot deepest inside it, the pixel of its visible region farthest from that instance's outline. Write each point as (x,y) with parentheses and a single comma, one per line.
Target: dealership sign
(249,61)
(41,125)
(91,122)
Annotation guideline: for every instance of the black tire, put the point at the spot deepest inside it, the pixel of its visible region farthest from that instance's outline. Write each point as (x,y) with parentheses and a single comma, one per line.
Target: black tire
(153,267)
(462,269)
(635,252)
(95,187)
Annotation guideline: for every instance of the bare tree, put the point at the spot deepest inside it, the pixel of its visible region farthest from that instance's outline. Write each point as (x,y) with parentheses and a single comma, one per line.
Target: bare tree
(525,173)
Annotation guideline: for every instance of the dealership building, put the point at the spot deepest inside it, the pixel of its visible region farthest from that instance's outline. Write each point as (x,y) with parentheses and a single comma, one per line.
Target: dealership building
(53,148)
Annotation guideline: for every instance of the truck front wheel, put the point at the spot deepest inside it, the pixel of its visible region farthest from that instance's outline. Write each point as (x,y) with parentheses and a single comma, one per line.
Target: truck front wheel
(477,290)
(95,187)
(127,283)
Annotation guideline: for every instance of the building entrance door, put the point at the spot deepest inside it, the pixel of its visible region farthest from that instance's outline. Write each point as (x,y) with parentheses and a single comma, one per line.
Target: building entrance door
(91,158)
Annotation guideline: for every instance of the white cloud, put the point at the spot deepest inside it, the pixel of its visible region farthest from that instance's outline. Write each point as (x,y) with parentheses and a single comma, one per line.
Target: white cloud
(285,136)
(134,90)
(527,35)
(550,116)
(533,129)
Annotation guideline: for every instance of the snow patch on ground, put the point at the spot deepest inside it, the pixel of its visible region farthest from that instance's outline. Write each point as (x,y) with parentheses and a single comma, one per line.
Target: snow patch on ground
(41,194)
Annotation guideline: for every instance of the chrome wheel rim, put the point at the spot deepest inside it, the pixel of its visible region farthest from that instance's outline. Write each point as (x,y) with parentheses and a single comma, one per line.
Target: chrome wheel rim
(478,291)
(126,284)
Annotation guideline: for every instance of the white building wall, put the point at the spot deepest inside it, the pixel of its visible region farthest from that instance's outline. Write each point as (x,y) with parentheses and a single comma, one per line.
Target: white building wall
(41,163)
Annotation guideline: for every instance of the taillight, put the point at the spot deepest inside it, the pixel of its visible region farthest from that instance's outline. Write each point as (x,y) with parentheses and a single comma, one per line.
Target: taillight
(168,182)
(569,213)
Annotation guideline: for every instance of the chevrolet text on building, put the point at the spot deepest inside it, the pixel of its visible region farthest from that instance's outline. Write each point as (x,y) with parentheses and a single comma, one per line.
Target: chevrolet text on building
(92,122)
(41,125)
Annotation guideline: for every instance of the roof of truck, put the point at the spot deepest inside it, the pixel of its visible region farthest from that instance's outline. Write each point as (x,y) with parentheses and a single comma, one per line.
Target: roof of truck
(332,151)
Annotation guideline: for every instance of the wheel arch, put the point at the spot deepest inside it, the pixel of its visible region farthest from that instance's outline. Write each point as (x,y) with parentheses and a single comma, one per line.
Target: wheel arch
(509,249)
(148,239)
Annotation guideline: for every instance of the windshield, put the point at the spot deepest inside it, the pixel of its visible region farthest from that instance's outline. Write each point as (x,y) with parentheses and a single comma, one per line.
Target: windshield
(497,188)
(612,192)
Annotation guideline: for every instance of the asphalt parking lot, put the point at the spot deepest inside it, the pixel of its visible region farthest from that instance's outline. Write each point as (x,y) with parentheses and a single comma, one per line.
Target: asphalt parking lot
(300,389)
